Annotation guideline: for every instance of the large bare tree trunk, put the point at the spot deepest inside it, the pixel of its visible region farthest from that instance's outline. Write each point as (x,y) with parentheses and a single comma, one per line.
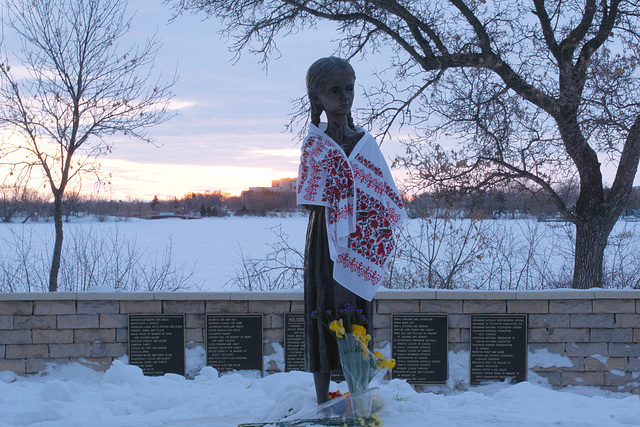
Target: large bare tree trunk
(597,215)
(590,243)
(57,247)
(592,232)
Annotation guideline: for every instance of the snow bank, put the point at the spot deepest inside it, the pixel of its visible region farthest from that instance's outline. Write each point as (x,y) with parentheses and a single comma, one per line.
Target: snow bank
(75,395)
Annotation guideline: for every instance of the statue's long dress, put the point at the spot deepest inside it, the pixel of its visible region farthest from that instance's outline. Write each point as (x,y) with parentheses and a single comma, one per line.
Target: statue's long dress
(322,293)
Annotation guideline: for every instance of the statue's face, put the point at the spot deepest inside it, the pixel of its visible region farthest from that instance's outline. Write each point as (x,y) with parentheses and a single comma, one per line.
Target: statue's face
(336,97)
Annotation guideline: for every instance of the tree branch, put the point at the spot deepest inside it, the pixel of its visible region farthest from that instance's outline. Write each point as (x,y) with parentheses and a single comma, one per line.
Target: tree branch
(557,200)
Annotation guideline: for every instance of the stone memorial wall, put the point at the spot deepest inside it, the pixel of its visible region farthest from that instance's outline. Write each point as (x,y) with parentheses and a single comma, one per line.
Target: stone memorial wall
(595,333)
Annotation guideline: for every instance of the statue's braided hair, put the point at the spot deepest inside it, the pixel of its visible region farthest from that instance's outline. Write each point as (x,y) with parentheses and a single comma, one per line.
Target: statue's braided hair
(318,76)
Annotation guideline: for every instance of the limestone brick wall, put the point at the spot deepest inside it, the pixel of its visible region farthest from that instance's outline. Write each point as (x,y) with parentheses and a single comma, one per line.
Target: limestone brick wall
(596,332)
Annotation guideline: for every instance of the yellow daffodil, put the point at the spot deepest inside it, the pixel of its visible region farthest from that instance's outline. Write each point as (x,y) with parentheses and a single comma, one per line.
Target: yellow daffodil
(337,326)
(383,363)
(361,332)
(386,363)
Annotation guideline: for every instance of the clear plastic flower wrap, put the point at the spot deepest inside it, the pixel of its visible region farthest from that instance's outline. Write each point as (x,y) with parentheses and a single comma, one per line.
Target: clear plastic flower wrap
(359,364)
(359,367)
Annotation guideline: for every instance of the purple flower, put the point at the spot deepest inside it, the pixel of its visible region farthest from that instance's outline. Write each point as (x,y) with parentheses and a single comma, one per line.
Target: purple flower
(314,314)
(348,308)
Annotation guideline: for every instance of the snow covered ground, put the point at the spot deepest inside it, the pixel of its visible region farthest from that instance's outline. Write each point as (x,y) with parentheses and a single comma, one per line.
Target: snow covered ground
(75,395)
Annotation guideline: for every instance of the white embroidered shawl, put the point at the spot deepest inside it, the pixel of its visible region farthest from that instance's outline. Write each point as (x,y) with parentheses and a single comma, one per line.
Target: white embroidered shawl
(362,206)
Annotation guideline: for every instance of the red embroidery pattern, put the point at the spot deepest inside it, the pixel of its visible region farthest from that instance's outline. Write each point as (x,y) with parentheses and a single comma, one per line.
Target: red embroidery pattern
(369,165)
(340,213)
(354,266)
(394,197)
(373,238)
(305,161)
(394,217)
(313,146)
(361,201)
(377,185)
(371,182)
(339,182)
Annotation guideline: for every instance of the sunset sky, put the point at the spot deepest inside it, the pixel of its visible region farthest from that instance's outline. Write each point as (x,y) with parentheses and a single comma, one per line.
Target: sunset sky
(228,133)
(229,130)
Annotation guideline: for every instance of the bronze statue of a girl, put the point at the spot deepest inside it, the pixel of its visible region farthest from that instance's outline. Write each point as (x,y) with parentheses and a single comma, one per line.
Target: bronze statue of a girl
(353,202)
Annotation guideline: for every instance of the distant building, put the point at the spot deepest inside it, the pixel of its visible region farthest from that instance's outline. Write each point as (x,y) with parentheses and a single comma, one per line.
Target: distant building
(281,196)
(284,184)
(277,185)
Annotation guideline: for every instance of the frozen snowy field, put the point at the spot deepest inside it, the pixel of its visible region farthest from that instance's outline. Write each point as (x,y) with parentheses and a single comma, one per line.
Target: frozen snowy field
(214,247)
(74,395)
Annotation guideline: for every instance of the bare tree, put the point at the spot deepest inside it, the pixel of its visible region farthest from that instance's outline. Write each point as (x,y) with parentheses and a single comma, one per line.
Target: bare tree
(280,269)
(533,90)
(80,88)
(13,199)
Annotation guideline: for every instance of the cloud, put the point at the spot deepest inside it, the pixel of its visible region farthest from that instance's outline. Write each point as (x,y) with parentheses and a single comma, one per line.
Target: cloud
(280,152)
(178,104)
(19,72)
(239,145)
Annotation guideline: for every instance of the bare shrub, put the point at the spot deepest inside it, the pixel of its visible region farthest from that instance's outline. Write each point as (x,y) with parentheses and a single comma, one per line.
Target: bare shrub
(444,252)
(622,258)
(23,267)
(161,273)
(520,257)
(92,259)
(280,269)
(441,253)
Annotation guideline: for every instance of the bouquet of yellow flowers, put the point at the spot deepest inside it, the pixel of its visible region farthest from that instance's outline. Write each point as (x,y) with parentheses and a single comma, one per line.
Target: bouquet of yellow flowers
(359,363)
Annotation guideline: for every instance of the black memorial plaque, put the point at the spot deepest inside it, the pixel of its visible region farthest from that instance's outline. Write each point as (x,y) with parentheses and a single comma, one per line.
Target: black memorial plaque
(156,343)
(234,342)
(498,348)
(419,344)
(293,342)
(294,346)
